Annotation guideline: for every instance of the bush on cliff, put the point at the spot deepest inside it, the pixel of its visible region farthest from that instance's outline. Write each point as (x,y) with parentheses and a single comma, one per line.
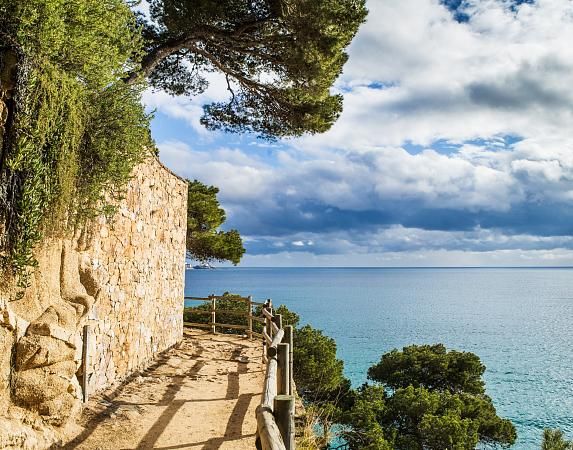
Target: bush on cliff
(426,398)
(231,311)
(555,440)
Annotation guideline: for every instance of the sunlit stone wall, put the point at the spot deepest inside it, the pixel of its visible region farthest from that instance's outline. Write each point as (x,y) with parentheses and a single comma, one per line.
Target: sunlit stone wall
(124,277)
(137,266)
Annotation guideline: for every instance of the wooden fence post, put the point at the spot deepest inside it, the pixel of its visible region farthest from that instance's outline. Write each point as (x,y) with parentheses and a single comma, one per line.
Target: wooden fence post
(269,309)
(85,361)
(250,323)
(288,339)
(275,414)
(283,410)
(265,345)
(283,369)
(213,316)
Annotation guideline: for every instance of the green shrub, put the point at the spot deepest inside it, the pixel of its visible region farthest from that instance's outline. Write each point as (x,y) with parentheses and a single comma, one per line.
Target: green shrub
(555,440)
(426,397)
(204,241)
(78,129)
(94,41)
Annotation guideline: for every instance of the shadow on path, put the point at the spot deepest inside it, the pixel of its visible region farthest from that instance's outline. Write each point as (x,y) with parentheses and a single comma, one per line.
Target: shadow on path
(172,404)
(115,405)
(152,430)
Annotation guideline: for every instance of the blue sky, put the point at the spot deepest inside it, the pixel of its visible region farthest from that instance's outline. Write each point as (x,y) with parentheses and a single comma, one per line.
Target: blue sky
(455,147)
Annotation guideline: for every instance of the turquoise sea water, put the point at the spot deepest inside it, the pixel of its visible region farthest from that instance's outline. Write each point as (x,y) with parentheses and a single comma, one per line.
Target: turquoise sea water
(519,322)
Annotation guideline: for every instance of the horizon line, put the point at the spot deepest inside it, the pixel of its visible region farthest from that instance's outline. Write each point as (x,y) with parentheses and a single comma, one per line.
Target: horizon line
(395,267)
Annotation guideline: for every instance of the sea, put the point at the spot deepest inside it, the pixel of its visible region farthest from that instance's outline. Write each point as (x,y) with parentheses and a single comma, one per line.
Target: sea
(519,321)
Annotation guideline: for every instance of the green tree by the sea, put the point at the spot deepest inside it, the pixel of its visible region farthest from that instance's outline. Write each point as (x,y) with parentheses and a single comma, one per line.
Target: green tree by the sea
(205,242)
(426,398)
(555,440)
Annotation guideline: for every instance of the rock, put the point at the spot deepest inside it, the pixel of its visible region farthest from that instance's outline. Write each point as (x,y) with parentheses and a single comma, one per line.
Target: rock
(39,351)
(50,330)
(59,314)
(133,268)
(35,386)
(17,435)
(6,343)
(21,327)
(58,410)
(7,318)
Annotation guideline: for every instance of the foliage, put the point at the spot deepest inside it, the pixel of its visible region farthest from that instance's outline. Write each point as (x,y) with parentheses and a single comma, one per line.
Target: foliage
(78,129)
(307,437)
(229,302)
(431,367)
(92,41)
(555,440)
(117,138)
(204,216)
(318,373)
(426,398)
(279,57)
(364,417)
(289,317)
(36,167)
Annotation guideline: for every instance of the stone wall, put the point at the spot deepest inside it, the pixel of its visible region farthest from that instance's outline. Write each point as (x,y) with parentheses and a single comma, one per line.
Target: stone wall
(138,264)
(124,278)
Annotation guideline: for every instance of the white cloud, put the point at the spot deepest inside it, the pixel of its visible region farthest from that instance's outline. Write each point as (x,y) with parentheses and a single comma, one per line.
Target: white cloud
(415,76)
(501,73)
(354,181)
(185,108)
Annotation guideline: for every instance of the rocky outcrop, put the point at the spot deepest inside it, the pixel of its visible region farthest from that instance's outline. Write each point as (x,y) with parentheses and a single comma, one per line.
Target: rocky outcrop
(123,278)
(46,357)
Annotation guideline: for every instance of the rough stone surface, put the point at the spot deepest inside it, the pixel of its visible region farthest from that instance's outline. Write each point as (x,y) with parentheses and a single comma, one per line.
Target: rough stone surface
(6,343)
(138,263)
(124,278)
(40,351)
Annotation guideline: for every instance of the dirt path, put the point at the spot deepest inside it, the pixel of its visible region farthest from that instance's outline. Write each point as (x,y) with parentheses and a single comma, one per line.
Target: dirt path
(201,395)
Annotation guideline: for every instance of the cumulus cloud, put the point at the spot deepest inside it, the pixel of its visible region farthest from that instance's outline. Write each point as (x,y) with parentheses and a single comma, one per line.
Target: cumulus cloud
(506,70)
(455,137)
(342,202)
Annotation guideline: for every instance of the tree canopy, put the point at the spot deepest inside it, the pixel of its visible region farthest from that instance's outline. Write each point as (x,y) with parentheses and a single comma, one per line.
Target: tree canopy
(426,398)
(555,440)
(432,367)
(204,216)
(318,372)
(280,58)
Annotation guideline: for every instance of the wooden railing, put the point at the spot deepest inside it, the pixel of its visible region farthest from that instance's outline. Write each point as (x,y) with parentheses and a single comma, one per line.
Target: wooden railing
(213,324)
(275,414)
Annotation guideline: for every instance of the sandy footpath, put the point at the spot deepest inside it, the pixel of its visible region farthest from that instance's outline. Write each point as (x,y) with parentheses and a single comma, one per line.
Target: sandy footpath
(200,395)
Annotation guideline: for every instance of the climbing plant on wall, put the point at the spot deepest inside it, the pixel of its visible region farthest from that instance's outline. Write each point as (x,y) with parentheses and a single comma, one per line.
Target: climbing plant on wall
(77,129)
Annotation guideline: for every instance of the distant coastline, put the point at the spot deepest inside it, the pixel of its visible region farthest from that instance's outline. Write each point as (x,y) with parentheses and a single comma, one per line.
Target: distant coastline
(393,267)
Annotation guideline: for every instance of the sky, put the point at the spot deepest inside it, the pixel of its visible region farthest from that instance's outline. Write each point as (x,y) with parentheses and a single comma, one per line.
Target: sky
(455,146)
